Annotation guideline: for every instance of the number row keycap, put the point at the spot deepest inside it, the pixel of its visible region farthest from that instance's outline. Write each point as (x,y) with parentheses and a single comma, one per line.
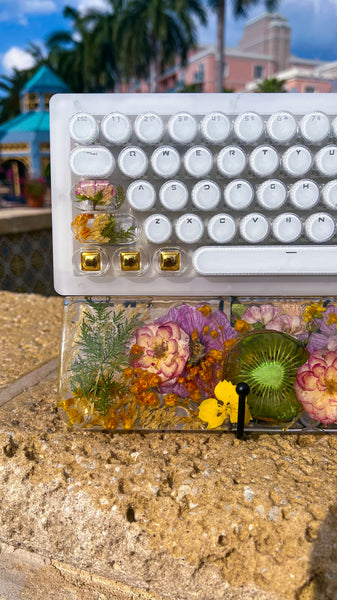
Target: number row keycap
(216,127)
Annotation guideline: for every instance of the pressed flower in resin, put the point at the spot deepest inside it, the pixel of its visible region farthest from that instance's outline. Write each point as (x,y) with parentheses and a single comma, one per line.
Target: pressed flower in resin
(263,314)
(162,349)
(208,333)
(268,316)
(214,411)
(104,228)
(326,335)
(314,310)
(316,386)
(100,192)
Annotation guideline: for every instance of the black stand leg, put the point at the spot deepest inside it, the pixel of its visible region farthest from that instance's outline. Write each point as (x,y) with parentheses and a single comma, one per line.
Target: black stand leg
(242,390)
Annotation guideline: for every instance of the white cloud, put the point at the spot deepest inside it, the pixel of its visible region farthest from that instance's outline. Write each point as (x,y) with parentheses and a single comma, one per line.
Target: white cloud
(26,8)
(41,7)
(84,6)
(16,58)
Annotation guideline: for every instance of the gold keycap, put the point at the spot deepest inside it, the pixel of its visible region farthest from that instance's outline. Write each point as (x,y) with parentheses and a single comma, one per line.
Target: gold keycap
(90,261)
(130,261)
(170,260)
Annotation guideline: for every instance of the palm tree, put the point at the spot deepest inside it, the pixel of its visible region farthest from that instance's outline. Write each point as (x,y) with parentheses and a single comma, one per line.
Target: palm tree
(104,44)
(11,87)
(70,53)
(154,33)
(271,85)
(240,9)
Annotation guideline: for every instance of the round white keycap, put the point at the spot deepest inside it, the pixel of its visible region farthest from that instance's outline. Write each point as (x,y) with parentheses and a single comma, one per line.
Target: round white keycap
(271,194)
(83,128)
(173,195)
(141,195)
(334,127)
(231,161)
(248,127)
(319,227)
(198,161)
(206,195)
(116,128)
(149,128)
(182,128)
(297,161)
(189,228)
(281,127)
(254,228)
(264,160)
(165,161)
(133,162)
(314,127)
(304,194)
(326,161)
(215,127)
(92,161)
(287,228)
(221,228)
(329,194)
(239,194)
(158,229)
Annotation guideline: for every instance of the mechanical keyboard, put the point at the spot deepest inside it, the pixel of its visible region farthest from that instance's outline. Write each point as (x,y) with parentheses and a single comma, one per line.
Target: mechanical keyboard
(194,194)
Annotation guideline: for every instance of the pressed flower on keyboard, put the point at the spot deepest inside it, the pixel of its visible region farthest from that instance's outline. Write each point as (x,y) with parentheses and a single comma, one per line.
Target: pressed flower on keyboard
(104,229)
(100,192)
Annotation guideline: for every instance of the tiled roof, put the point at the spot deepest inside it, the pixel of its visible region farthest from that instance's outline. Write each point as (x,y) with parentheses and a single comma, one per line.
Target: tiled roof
(31,121)
(45,80)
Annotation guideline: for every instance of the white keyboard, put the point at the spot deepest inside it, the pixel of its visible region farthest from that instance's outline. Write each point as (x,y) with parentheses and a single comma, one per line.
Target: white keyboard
(194,194)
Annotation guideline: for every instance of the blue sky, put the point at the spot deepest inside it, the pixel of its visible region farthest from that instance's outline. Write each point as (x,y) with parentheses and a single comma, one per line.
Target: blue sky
(313,23)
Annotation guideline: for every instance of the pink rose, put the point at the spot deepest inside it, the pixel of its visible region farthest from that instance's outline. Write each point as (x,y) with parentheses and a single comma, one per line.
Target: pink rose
(316,386)
(165,350)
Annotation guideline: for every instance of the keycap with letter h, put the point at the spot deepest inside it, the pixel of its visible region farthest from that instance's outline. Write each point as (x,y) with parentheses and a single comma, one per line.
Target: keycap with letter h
(194,194)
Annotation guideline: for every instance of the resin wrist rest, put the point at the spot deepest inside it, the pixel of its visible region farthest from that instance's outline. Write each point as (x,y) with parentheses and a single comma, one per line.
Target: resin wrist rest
(156,364)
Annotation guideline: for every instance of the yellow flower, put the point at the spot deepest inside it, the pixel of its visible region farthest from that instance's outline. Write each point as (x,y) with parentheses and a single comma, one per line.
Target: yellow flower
(214,411)
(332,319)
(314,310)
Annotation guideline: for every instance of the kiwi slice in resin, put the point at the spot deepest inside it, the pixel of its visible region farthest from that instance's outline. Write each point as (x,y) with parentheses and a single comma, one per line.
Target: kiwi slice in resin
(268,361)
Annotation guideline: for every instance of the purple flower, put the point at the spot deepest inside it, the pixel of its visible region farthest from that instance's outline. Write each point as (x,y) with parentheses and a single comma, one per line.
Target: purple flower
(207,331)
(326,336)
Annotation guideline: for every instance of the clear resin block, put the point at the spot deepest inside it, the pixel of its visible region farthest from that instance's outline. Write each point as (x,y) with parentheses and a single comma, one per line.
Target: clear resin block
(158,364)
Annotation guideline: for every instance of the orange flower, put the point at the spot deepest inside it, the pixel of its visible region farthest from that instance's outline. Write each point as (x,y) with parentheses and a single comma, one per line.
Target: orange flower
(229,343)
(136,350)
(241,326)
(205,310)
(171,399)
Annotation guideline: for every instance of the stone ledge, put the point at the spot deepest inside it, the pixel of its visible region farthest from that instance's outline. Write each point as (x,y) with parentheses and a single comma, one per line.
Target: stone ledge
(156,516)
(17,220)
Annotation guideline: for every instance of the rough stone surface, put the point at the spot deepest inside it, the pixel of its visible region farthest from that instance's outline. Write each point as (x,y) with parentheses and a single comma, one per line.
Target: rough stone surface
(166,516)
(30,327)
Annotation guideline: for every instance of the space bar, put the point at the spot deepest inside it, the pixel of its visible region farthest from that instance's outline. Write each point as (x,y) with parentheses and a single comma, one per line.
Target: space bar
(266,260)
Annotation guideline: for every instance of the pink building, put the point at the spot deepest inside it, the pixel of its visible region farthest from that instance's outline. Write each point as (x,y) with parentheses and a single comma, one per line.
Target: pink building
(263,52)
